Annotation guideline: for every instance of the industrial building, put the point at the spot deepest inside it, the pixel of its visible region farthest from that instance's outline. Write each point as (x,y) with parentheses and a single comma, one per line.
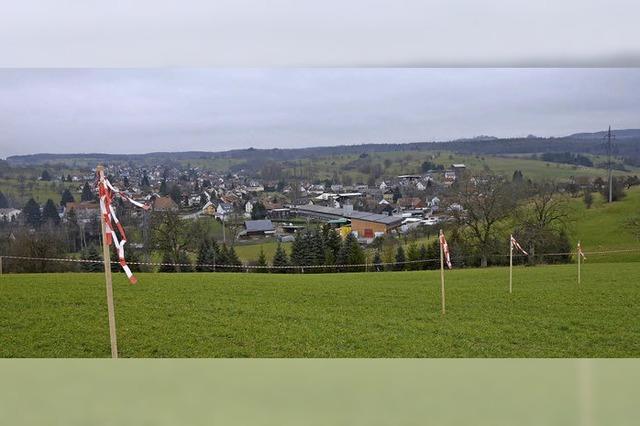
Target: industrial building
(364,224)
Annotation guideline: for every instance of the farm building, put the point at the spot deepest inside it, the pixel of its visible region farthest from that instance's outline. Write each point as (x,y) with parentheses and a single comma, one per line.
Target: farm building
(365,224)
(258,227)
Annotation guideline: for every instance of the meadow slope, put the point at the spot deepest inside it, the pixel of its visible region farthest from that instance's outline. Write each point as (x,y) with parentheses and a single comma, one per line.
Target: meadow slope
(603,226)
(328,315)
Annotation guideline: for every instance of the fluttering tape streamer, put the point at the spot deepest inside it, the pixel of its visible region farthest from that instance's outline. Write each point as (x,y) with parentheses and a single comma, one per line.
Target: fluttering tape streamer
(445,249)
(107,191)
(580,252)
(515,244)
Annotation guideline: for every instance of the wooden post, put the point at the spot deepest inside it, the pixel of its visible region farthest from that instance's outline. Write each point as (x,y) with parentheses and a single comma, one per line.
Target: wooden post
(579,262)
(511,264)
(442,276)
(106,257)
(0,265)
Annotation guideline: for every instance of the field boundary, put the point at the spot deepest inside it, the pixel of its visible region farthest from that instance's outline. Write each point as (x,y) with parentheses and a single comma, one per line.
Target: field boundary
(302,267)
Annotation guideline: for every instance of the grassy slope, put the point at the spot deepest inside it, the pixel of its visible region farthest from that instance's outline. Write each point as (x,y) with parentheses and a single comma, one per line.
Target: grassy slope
(39,190)
(603,226)
(250,252)
(351,315)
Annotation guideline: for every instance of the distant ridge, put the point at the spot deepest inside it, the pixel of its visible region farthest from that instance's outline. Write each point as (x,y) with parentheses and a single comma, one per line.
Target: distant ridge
(620,134)
(627,144)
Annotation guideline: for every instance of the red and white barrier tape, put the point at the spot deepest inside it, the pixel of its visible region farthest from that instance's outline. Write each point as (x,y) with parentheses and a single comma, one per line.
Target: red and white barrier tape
(445,249)
(517,245)
(106,192)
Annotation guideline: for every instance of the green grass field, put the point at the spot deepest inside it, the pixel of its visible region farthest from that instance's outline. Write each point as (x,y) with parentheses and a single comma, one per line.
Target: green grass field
(249,252)
(602,227)
(334,315)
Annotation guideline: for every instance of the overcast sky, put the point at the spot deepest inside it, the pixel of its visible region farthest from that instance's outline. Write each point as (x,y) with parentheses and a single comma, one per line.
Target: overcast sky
(137,111)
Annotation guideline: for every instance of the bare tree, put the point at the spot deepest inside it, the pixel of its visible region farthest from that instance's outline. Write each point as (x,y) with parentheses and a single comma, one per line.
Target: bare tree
(234,225)
(544,212)
(170,235)
(485,201)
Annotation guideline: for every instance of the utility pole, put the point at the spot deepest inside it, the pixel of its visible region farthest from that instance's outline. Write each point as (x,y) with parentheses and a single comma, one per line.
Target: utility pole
(609,172)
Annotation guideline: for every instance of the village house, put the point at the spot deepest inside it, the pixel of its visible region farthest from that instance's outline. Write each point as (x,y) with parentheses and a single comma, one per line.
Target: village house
(164,204)
(194,199)
(410,203)
(85,210)
(248,208)
(449,176)
(9,214)
(224,210)
(209,209)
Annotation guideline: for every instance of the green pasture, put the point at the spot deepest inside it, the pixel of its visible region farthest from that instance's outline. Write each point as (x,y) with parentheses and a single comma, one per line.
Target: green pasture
(603,226)
(389,314)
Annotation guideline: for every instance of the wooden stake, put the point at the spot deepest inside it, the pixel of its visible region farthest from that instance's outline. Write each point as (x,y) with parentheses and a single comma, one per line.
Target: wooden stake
(0,265)
(107,277)
(579,262)
(442,276)
(511,264)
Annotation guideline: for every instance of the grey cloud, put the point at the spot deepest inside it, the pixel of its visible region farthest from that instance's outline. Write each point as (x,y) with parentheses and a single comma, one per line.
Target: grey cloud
(142,110)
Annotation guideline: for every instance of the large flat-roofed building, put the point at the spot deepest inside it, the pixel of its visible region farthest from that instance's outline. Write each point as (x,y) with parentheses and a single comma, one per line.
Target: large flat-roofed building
(365,224)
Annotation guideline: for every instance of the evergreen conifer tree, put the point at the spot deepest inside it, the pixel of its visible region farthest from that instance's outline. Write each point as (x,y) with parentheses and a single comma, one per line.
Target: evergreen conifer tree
(204,260)
(163,188)
(280,259)
(91,253)
(145,180)
(234,260)
(223,258)
(298,250)
(413,255)
(31,213)
(262,262)
(86,195)
(423,254)
(4,203)
(67,197)
(50,213)
(333,242)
